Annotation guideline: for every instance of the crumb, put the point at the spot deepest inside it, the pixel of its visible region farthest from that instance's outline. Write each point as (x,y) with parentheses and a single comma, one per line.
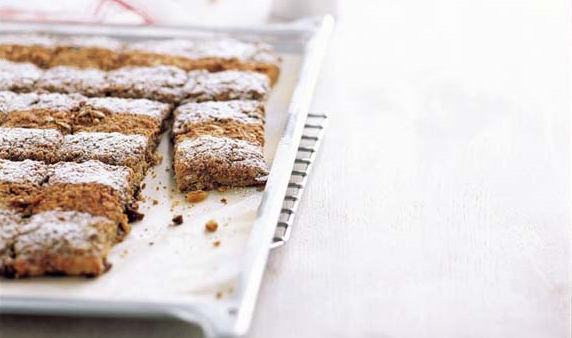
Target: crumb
(157,188)
(155,202)
(177,219)
(216,243)
(219,295)
(167,170)
(196,196)
(211,225)
(222,189)
(175,203)
(146,229)
(143,186)
(223,200)
(151,243)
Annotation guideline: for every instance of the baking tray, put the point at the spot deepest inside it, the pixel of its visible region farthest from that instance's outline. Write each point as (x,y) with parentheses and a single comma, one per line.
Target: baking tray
(171,286)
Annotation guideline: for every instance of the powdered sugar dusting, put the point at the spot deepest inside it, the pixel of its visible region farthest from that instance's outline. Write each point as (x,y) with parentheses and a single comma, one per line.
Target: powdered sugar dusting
(58,102)
(161,83)
(111,148)
(115,177)
(30,101)
(18,76)
(226,85)
(23,142)
(62,232)
(224,48)
(222,148)
(150,108)
(9,227)
(23,172)
(65,79)
(248,112)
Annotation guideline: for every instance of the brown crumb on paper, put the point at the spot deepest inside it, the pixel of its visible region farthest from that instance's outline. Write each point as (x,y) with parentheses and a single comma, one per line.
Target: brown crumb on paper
(211,225)
(155,202)
(223,200)
(143,186)
(216,243)
(196,196)
(219,295)
(177,219)
(151,243)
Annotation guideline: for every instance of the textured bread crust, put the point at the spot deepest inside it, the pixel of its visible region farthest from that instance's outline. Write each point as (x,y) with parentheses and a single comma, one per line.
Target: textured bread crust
(55,242)
(225,86)
(207,162)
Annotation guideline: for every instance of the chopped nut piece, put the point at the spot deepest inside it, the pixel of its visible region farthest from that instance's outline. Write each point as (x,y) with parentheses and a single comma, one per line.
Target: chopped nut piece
(64,125)
(211,225)
(196,196)
(177,219)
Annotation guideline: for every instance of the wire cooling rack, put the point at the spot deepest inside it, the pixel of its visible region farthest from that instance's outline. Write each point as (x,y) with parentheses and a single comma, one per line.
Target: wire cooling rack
(314,130)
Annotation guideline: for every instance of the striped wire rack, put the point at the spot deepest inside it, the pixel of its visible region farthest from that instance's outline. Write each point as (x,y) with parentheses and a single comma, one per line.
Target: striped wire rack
(309,145)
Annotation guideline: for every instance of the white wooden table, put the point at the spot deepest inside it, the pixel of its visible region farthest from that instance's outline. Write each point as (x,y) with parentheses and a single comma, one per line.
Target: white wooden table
(439,206)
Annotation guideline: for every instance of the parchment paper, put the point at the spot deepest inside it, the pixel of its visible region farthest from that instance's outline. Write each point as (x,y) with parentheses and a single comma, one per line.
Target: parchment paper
(165,263)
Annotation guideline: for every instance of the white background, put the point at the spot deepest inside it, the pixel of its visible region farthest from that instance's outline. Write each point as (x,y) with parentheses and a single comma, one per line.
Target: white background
(439,206)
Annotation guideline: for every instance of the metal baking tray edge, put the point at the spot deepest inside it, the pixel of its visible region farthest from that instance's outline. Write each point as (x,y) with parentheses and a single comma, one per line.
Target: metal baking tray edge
(231,317)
